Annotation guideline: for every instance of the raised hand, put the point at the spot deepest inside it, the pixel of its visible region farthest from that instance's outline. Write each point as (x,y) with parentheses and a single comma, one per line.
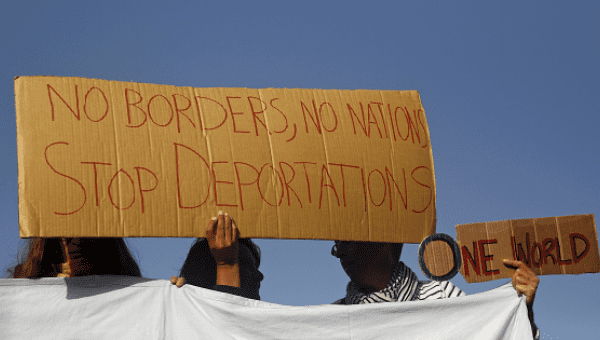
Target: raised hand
(525,282)
(222,235)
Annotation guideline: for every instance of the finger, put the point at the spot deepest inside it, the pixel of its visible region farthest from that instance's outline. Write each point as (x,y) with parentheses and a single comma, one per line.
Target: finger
(210,228)
(522,280)
(66,250)
(527,291)
(520,265)
(514,264)
(221,227)
(525,280)
(180,282)
(514,280)
(235,231)
(521,289)
(526,274)
(228,230)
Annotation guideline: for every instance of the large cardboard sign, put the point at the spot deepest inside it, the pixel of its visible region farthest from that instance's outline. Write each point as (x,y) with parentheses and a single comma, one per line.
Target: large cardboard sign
(120,159)
(550,245)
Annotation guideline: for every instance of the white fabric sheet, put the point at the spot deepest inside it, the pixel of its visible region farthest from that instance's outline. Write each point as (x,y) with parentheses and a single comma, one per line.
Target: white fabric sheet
(117,307)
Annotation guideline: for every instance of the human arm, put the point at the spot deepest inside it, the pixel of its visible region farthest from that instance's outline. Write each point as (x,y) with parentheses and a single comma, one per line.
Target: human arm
(220,245)
(66,266)
(222,235)
(525,282)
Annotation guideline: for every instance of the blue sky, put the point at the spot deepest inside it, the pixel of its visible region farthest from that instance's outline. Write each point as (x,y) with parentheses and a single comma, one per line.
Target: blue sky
(510,91)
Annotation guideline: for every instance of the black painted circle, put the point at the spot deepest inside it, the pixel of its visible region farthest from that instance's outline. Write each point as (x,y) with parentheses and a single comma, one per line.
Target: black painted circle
(455,255)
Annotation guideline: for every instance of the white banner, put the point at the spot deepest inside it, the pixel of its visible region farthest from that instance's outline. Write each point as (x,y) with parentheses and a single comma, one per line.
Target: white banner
(116,307)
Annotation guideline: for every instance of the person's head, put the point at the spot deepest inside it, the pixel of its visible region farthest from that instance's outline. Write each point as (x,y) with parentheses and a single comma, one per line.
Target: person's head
(364,261)
(200,268)
(88,256)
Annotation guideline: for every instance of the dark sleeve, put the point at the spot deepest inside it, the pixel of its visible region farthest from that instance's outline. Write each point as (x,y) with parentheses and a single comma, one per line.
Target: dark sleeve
(341,301)
(237,291)
(536,332)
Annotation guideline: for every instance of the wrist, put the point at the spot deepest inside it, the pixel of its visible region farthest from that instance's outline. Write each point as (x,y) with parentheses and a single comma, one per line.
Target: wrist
(229,262)
(228,266)
(228,275)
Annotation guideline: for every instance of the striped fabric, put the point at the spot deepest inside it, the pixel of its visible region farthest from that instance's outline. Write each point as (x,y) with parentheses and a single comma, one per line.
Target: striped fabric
(403,286)
(438,290)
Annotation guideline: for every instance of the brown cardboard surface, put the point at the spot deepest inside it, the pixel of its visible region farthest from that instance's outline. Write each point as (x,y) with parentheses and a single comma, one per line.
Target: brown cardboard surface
(123,159)
(551,245)
(438,258)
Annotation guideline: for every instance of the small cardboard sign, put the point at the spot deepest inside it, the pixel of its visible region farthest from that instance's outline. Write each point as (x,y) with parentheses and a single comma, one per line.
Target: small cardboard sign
(551,245)
(121,159)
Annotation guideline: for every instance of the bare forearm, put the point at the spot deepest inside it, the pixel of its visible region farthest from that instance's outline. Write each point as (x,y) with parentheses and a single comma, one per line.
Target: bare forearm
(228,275)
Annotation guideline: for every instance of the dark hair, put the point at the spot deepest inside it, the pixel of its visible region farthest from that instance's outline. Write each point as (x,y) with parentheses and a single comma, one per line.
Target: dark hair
(396,249)
(95,256)
(200,269)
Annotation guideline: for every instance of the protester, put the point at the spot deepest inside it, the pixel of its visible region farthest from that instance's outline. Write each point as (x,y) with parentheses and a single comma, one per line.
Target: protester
(377,275)
(72,257)
(222,261)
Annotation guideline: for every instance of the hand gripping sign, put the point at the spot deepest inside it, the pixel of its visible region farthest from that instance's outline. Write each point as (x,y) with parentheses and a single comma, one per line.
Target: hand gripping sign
(120,159)
(551,245)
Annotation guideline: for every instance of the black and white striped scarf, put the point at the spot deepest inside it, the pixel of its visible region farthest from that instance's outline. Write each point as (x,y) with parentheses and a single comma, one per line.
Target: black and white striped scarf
(403,286)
